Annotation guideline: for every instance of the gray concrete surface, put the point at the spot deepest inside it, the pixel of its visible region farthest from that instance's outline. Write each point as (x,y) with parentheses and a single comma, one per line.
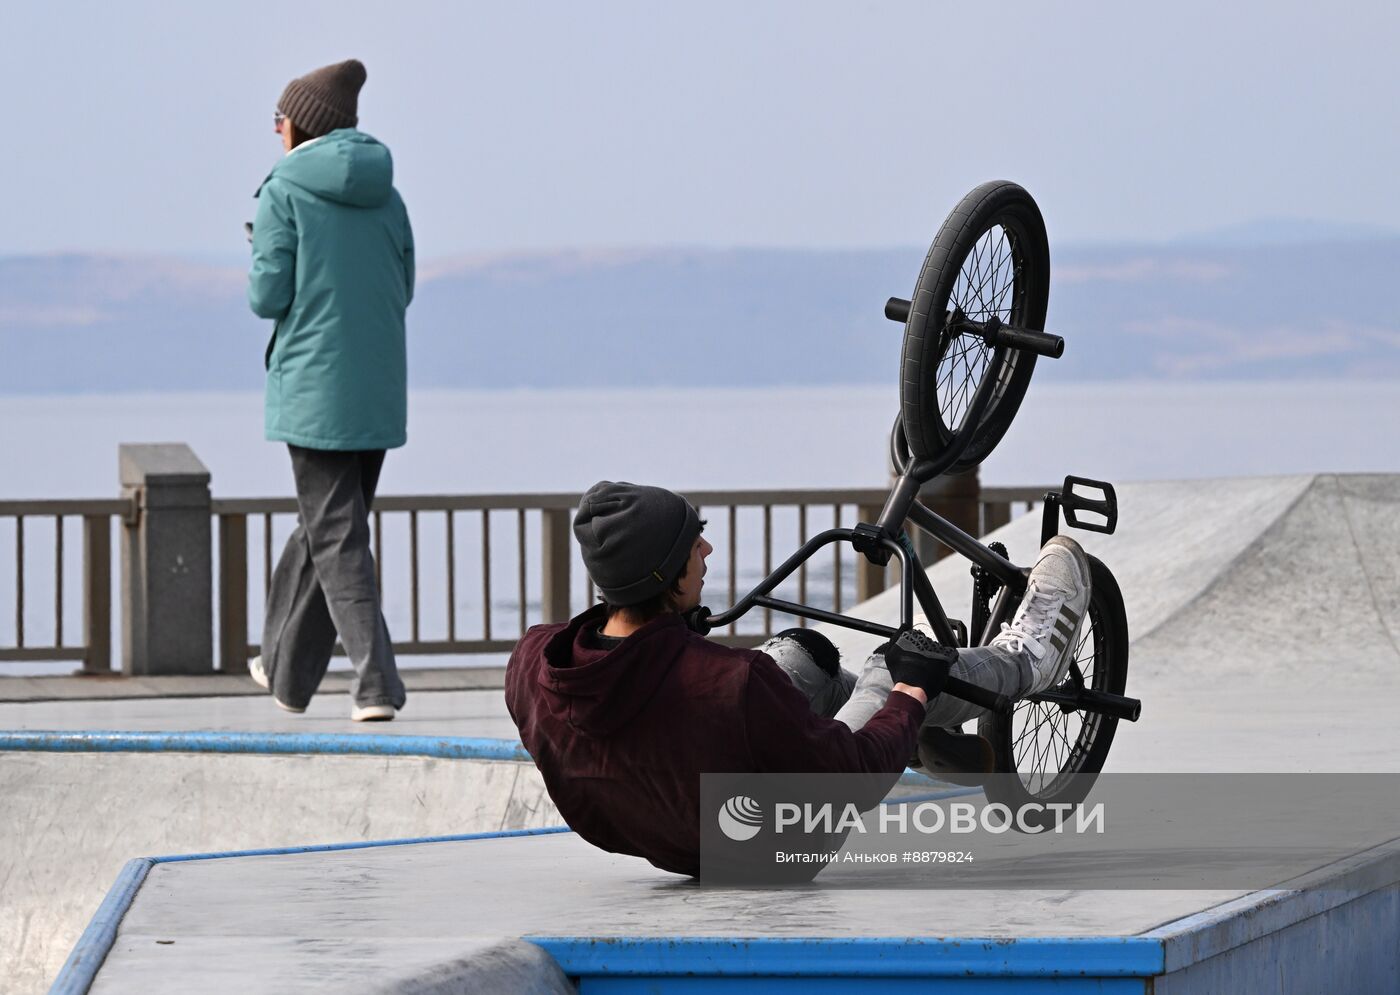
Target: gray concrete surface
(477,965)
(103,687)
(437,713)
(84,815)
(368,910)
(350,962)
(75,818)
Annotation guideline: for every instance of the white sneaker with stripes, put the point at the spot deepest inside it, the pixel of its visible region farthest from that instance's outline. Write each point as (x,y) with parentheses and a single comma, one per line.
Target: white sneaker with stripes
(1047,624)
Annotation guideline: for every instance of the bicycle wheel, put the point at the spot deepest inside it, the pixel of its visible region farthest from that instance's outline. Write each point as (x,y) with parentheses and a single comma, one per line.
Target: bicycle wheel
(990,259)
(1055,754)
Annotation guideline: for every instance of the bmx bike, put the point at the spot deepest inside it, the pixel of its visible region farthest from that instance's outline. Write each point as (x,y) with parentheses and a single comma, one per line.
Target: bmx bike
(973,331)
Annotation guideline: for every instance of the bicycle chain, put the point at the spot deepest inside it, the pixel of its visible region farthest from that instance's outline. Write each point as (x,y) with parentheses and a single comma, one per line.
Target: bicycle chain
(984,589)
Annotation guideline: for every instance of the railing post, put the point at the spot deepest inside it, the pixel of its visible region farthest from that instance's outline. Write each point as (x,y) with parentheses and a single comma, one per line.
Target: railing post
(97,594)
(870,577)
(956,497)
(995,514)
(233,594)
(556,561)
(167,578)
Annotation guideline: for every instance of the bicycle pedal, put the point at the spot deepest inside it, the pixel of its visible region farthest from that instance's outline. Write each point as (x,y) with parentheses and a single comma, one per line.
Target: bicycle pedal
(915,642)
(1075,504)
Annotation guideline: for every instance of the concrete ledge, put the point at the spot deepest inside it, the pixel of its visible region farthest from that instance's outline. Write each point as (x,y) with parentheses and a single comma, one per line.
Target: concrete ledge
(1243,941)
(80,969)
(1236,924)
(91,802)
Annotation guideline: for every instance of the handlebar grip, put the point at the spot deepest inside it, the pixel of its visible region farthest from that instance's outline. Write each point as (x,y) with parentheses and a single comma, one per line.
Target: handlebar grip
(1037,342)
(989,700)
(897,309)
(698,620)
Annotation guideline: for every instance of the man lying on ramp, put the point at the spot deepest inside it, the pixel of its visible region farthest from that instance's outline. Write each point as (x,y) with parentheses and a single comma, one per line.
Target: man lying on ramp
(624,707)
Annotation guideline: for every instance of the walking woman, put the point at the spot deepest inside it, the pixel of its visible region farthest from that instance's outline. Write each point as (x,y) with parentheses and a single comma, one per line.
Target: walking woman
(333,268)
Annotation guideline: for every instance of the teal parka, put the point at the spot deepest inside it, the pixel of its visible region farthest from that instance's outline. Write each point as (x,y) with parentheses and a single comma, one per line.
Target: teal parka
(333,267)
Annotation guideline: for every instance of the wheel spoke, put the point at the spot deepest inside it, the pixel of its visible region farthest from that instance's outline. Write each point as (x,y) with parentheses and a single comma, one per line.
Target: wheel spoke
(979,292)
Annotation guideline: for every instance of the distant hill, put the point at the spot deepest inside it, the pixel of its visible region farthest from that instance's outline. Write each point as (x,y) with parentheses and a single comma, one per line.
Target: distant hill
(1227,308)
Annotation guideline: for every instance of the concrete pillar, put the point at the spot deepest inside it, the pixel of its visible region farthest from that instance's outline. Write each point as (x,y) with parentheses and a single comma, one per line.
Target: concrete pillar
(167,602)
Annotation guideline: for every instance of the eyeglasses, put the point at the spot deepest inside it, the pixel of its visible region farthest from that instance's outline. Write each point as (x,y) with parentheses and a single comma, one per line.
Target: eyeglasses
(277,118)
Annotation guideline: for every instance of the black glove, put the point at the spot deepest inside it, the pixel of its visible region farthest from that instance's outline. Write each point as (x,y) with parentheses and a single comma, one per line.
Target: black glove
(916,659)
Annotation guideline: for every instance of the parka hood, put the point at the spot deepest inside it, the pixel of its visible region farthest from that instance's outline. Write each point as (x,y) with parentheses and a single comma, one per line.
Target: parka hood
(601,694)
(345,166)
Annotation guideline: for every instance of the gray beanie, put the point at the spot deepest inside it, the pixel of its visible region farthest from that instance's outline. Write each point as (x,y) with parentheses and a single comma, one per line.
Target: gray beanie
(635,539)
(325,99)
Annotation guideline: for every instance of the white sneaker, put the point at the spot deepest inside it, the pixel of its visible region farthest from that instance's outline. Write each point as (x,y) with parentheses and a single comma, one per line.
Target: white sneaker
(1047,624)
(259,676)
(373,713)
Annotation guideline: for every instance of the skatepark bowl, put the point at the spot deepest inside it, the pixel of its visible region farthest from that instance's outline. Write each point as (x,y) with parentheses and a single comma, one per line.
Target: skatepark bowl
(303,855)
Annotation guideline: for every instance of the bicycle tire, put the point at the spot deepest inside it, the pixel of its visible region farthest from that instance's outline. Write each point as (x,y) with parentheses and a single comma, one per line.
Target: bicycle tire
(999,229)
(1106,636)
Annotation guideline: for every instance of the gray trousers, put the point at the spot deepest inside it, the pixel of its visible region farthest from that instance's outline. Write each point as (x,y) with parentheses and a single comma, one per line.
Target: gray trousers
(324,584)
(855,701)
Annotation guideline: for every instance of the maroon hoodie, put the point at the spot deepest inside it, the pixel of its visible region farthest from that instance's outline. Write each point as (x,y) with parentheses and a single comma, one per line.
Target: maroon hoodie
(622,735)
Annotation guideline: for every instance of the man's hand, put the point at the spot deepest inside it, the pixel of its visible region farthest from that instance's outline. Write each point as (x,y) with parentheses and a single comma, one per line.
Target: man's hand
(916,693)
(915,659)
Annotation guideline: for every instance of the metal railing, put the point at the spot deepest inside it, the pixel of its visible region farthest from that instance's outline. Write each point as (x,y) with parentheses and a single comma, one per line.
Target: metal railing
(94,652)
(547,582)
(528,536)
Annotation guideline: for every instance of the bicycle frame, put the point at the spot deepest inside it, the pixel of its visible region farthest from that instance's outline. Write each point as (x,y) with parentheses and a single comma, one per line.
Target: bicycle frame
(878,543)
(886,538)
(914,583)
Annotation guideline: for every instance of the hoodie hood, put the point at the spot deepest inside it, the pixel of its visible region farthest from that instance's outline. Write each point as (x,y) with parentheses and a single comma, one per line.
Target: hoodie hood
(601,691)
(345,166)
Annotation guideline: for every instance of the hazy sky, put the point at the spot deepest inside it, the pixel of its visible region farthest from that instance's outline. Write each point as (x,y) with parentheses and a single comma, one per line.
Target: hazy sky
(147,126)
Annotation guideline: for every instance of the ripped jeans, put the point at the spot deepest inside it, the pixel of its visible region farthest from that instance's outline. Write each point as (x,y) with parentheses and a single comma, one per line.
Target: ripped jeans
(813,665)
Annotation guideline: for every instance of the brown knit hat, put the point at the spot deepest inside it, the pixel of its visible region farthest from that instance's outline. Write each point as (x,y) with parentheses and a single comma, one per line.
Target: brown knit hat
(325,99)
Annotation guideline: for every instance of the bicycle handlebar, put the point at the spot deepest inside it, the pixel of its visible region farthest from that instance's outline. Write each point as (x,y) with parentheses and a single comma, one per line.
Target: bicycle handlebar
(1024,338)
(897,309)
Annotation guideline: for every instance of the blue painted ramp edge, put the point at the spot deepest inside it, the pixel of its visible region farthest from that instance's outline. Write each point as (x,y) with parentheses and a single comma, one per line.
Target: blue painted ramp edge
(864,957)
(80,969)
(112,741)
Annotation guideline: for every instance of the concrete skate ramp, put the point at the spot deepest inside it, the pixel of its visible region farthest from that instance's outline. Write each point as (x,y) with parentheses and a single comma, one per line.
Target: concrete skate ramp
(353,920)
(74,818)
(1264,617)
